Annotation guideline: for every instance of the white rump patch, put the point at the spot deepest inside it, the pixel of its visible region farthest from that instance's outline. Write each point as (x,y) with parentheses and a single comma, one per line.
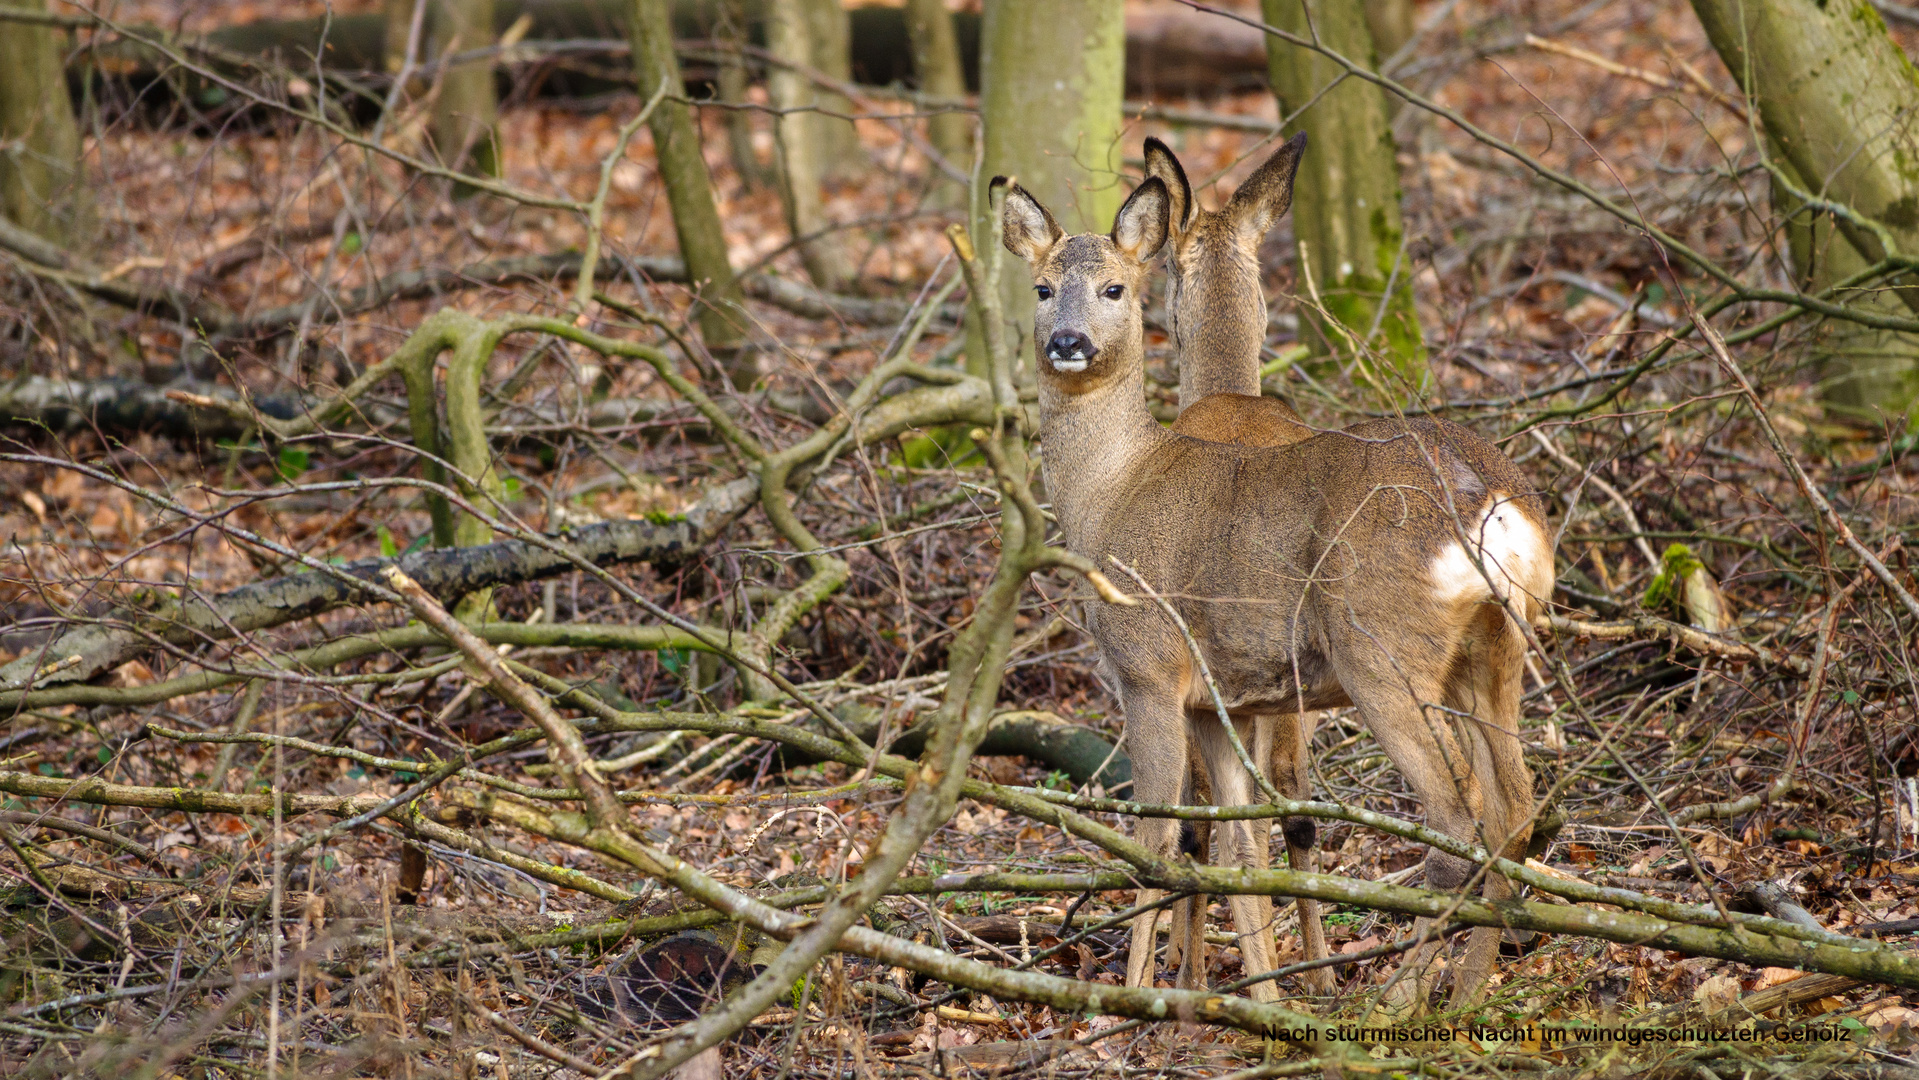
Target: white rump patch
(1516,555)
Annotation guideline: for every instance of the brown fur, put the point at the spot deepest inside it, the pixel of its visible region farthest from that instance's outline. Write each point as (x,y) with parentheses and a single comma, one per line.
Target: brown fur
(1216,305)
(1315,575)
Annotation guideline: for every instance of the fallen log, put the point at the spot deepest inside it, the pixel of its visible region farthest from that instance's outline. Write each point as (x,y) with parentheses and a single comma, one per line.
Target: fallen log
(1169,52)
(123,405)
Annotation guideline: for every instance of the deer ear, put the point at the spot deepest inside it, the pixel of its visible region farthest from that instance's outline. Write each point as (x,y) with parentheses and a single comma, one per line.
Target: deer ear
(1160,162)
(1027,229)
(1140,229)
(1267,194)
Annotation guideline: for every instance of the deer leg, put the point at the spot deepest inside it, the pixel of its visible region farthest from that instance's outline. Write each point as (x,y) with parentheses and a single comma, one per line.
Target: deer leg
(1491,691)
(1293,737)
(1422,744)
(1189,914)
(1156,739)
(1242,843)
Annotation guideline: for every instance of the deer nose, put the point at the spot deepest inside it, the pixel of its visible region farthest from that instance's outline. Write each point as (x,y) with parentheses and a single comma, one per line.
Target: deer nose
(1070,350)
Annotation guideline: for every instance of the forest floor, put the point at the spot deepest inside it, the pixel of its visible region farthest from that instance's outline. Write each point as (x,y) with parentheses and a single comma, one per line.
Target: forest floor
(146,953)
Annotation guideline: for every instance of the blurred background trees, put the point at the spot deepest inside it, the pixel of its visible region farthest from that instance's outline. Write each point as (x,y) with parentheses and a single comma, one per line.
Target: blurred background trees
(1834,97)
(41,187)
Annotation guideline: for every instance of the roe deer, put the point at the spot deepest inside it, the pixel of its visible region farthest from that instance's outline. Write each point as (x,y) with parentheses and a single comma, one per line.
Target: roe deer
(1215,304)
(1216,310)
(1327,572)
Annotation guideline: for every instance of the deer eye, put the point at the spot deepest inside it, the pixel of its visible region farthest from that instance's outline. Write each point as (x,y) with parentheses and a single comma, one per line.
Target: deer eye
(1114,292)
(1045,291)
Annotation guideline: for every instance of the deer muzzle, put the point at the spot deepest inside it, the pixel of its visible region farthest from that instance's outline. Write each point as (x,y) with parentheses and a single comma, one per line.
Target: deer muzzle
(1070,350)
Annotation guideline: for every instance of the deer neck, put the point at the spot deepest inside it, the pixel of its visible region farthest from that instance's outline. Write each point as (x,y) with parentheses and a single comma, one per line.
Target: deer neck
(1093,443)
(1224,325)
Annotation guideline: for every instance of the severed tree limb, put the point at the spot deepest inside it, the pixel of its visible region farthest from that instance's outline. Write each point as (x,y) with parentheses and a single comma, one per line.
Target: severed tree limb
(1058,809)
(207,411)
(445,572)
(1653,628)
(1750,940)
(352,647)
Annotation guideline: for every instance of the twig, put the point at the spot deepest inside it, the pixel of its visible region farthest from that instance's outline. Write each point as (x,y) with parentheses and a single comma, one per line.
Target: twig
(1827,514)
(1650,78)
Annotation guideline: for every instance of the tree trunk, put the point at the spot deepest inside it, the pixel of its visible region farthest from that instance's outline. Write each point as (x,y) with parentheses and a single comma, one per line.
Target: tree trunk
(803,141)
(830,34)
(689,192)
(1052,79)
(396,30)
(1861,368)
(730,30)
(1391,23)
(1346,222)
(936,66)
(466,114)
(39,141)
(1838,98)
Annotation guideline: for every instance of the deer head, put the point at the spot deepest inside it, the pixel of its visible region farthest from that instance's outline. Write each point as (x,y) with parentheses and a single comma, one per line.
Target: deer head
(1215,306)
(1087,330)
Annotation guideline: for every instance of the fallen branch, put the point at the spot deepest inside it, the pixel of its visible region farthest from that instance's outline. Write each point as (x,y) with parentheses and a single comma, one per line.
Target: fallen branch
(444,572)
(120,405)
(1653,628)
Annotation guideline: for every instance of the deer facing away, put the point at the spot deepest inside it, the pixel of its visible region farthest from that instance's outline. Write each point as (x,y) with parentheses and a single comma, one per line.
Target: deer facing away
(1371,567)
(1216,305)
(1216,309)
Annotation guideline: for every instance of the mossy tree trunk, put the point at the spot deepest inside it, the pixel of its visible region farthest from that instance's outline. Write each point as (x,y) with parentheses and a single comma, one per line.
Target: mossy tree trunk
(689,193)
(466,114)
(39,141)
(1052,82)
(1346,220)
(1863,370)
(1839,101)
(936,66)
(804,141)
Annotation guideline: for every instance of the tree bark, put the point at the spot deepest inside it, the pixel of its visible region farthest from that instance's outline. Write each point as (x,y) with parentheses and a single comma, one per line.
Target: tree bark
(830,33)
(730,30)
(395,30)
(936,66)
(1862,369)
(803,139)
(1838,99)
(467,112)
(1391,23)
(689,192)
(1052,79)
(1346,223)
(39,141)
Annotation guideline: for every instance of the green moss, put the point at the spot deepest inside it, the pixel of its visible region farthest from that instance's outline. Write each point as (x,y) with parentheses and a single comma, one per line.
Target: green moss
(1675,566)
(661,517)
